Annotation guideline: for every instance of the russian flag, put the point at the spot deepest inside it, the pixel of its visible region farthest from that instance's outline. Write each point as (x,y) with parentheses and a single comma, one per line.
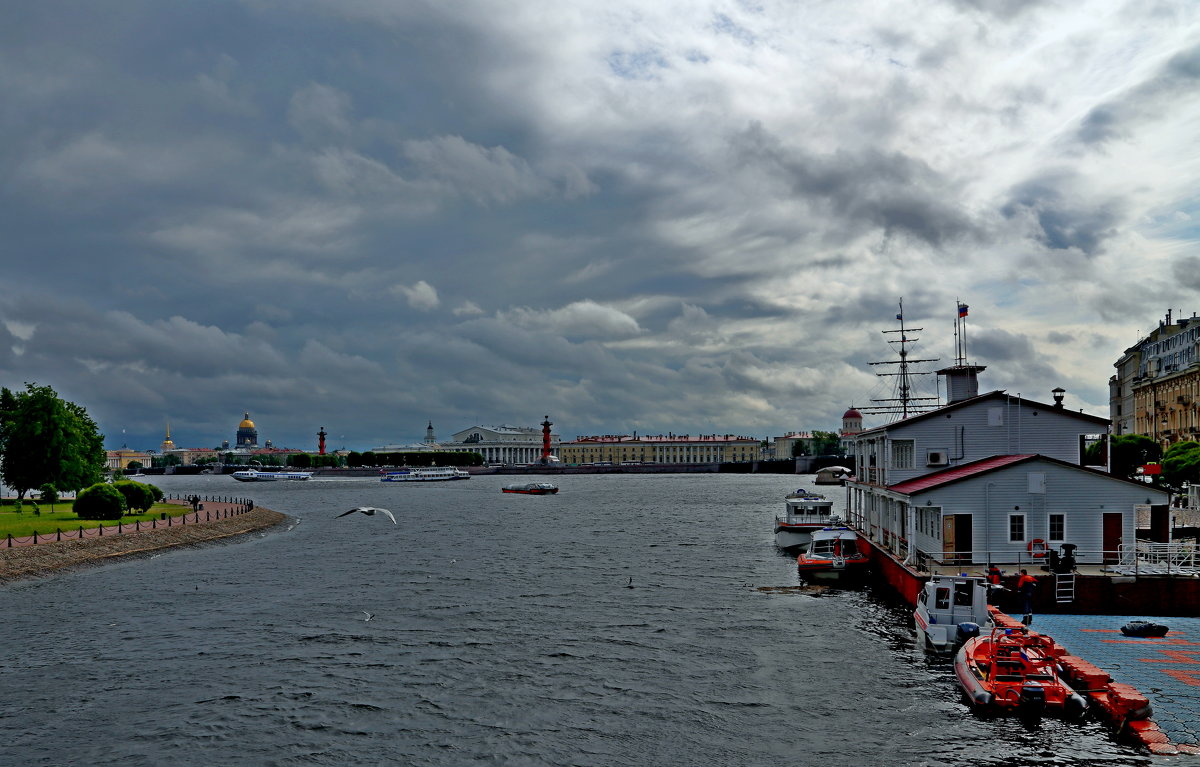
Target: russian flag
(899,316)
(962,310)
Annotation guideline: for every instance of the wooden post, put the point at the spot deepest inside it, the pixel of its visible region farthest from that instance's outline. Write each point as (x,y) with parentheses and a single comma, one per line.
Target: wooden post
(58,533)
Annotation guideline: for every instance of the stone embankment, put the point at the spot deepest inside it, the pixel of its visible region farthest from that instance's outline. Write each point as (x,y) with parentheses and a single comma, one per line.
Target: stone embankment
(44,558)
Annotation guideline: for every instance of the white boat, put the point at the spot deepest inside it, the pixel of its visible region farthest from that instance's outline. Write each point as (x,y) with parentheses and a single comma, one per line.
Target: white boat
(833,553)
(803,515)
(254,475)
(832,475)
(945,602)
(431,474)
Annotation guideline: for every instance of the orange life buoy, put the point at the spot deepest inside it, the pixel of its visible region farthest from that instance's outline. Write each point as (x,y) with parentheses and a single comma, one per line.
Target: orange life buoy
(1037,548)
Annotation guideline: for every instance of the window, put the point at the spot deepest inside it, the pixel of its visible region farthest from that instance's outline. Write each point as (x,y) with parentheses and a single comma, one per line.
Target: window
(1016,528)
(902,453)
(1058,527)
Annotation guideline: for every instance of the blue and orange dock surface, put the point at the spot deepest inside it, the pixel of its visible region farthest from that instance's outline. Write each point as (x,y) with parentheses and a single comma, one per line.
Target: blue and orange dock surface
(1165,670)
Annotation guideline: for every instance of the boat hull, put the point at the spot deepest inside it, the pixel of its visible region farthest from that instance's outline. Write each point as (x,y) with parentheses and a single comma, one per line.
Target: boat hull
(271,476)
(1005,673)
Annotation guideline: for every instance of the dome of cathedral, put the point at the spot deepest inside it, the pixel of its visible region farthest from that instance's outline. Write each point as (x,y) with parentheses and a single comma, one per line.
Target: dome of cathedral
(246,423)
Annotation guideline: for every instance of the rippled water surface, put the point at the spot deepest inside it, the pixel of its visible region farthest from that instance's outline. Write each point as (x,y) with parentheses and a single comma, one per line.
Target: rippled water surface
(629,620)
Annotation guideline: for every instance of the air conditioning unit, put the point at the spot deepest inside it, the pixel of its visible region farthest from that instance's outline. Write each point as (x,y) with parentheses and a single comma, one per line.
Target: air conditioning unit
(937,458)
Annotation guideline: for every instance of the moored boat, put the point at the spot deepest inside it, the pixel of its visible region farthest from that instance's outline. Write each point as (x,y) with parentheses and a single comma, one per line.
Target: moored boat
(254,475)
(832,475)
(531,488)
(430,474)
(834,552)
(803,514)
(1013,670)
(950,610)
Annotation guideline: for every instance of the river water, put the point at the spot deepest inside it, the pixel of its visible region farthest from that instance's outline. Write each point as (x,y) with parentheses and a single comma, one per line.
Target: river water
(628,620)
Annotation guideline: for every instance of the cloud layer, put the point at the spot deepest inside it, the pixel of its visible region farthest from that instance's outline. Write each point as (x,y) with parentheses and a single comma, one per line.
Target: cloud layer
(369,214)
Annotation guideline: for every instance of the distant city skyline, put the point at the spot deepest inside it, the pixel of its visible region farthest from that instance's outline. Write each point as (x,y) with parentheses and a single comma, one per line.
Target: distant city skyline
(635,217)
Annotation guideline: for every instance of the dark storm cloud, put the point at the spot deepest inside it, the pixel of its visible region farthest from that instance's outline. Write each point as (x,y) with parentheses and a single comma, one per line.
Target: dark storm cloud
(863,188)
(1063,216)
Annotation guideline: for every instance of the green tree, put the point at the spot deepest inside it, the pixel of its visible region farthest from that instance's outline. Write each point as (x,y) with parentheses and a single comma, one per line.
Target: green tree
(301,460)
(137,495)
(100,501)
(826,443)
(1129,451)
(135,465)
(49,494)
(44,439)
(1181,463)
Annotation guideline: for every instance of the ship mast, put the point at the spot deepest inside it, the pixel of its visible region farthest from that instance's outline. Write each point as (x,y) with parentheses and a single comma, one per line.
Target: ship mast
(905,403)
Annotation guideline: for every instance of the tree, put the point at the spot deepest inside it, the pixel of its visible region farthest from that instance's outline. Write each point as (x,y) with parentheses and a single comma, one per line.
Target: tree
(826,443)
(100,501)
(135,465)
(137,495)
(49,495)
(44,439)
(1129,451)
(1181,463)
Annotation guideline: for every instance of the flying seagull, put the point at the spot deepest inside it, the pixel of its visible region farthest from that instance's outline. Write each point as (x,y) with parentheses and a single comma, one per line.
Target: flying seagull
(370,511)
(369,615)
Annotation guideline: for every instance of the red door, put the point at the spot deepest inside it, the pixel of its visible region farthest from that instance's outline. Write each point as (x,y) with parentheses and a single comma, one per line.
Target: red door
(1113,536)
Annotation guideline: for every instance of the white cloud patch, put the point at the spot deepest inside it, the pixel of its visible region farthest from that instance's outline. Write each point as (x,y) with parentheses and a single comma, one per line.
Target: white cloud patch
(421,296)
(582,319)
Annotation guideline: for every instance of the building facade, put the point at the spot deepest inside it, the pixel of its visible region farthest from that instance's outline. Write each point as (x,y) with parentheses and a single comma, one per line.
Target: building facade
(988,478)
(661,448)
(507,445)
(1156,389)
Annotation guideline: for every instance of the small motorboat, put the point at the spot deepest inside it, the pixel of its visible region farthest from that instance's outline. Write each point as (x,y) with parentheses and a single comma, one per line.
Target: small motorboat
(834,552)
(950,610)
(802,516)
(531,488)
(1147,629)
(1013,670)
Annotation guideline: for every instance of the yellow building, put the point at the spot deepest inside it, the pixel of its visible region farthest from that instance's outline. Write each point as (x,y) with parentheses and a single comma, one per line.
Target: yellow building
(119,460)
(1156,392)
(662,448)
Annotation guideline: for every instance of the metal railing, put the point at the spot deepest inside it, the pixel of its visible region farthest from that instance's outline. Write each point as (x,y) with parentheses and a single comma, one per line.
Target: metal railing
(230,507)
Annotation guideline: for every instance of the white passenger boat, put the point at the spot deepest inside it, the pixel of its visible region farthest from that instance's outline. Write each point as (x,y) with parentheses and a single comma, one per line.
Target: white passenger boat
(805,512)
(951,609)
(254,475)
(430,474)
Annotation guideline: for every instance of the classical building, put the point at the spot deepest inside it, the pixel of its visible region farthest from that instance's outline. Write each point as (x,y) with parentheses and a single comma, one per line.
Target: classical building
(661,448)
(785,447)
(247,434)
(499,444)
(119,460)
(1156,389)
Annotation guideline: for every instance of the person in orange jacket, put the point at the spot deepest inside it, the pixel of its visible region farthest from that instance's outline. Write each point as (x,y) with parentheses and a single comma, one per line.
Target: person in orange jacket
(1025,586)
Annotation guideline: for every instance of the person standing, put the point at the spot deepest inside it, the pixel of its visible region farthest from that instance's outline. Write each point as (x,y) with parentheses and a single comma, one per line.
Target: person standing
(1025,586)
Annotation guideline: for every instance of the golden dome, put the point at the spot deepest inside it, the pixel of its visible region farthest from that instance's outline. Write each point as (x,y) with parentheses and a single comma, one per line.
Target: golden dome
(246,423)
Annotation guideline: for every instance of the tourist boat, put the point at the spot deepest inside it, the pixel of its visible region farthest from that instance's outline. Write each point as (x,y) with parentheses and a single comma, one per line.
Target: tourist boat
(803,515)
(254,475)
(834,552)
(531,488)
(431,474)
(1013,670)
(950,610)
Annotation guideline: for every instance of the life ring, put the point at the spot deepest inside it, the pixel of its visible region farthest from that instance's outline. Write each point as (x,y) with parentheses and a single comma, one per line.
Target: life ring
(1037,548)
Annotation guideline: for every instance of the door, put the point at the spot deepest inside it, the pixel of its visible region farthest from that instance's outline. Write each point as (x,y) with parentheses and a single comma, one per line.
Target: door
(956,538)
(1114,536)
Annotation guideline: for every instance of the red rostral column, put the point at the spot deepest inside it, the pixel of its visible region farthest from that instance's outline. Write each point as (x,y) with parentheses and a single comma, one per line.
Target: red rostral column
(321,441)
(546,440)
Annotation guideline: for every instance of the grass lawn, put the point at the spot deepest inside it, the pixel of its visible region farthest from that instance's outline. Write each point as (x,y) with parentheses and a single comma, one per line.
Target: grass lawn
(25,522)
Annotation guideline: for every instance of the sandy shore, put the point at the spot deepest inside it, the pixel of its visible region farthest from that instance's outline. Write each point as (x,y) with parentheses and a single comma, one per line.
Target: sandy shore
(44,558)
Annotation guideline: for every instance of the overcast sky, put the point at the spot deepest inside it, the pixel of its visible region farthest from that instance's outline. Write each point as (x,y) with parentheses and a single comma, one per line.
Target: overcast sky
(655,216)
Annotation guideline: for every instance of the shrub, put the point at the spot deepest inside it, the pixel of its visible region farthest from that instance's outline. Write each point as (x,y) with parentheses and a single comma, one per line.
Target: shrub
(100,501)
(137,496)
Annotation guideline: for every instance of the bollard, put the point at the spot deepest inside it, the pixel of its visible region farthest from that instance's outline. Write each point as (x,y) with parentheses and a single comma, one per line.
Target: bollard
(119,531)
(10,540)
(35,537)
(101,528)
(58,533)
